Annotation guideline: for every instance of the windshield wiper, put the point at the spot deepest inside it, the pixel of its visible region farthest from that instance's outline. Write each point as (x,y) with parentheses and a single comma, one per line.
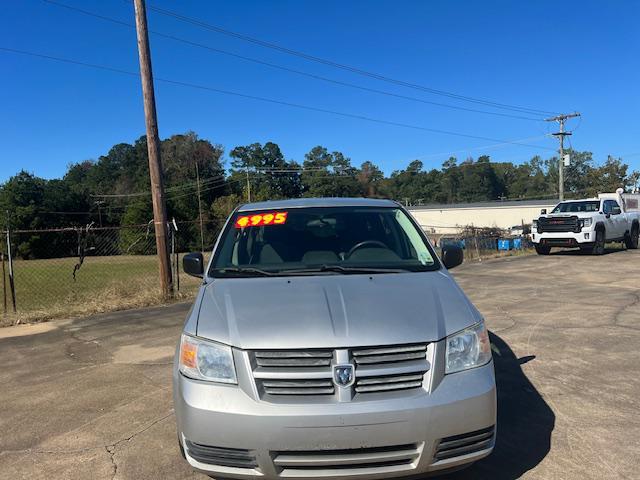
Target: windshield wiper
(345,270)
(245,270)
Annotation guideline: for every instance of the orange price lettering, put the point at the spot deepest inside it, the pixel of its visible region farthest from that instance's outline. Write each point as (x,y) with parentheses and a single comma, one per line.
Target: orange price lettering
(267,218)
(242,222)
(281,217)
(261,219)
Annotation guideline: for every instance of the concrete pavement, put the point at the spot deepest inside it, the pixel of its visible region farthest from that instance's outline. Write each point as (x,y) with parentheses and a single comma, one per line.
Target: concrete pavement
(91,398)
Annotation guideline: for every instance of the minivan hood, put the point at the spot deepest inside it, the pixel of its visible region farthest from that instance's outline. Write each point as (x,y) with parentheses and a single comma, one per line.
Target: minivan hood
(333,311)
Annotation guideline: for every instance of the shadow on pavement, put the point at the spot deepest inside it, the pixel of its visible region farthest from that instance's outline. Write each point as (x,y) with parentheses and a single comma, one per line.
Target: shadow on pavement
(577,251)
(525,422)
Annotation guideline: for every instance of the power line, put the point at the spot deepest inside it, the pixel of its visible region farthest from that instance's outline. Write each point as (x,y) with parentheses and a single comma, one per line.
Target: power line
(341,66)
(269,100)
(482,147)
(285,170)
(226,183)
(184,186)
(288,69)
(194,184)
(65,213)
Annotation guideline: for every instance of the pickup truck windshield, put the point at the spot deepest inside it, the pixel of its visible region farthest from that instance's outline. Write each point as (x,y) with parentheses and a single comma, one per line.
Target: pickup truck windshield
(321,240)
(571,207)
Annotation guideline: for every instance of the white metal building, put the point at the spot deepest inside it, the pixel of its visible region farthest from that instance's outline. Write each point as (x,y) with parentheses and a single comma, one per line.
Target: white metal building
(450,218)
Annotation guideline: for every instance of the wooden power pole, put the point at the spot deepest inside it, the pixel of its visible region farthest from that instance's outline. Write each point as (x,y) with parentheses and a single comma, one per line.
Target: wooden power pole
(560,134)
(200,209)
(153,148)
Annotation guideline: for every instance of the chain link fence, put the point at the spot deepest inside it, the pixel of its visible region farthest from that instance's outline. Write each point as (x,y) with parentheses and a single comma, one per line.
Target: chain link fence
(82,270)
(67,271)
(483,243)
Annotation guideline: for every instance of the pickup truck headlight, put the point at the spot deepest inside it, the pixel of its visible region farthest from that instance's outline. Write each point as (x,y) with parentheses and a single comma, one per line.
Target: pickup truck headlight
(467,349)
(204,360)
(534,224)
(586,222)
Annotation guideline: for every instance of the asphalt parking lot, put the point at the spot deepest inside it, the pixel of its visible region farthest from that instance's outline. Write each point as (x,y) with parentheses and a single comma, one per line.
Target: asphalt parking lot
(91,398)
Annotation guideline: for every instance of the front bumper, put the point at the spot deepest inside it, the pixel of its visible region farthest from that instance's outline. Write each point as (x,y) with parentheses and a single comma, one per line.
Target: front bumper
(564,239)
(368,439)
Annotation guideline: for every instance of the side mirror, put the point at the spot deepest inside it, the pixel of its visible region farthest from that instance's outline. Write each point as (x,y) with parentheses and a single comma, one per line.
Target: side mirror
(543,211)
(193,264)
(452,256)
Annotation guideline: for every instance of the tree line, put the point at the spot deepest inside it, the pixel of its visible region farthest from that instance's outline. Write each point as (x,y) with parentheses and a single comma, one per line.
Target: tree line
(114,189)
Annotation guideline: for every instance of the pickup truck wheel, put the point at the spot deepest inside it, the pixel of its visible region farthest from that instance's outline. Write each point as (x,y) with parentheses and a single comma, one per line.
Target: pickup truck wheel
(631,240)
(542,250)
(598,248)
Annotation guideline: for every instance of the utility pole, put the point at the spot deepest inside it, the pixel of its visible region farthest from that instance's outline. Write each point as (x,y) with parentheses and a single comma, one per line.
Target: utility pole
(98,204)
(12,285)
(246,169)
(560,134)
(153,148)
(200,209)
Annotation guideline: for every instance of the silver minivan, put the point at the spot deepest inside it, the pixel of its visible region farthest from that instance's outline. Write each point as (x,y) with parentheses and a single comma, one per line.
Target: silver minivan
(328,340)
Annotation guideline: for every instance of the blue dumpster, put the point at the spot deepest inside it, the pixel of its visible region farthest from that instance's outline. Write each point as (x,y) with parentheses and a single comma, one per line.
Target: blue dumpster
(504,244)
(517,243)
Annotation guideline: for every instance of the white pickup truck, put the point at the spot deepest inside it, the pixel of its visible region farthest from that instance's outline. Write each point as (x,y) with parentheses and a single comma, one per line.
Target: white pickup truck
(589,223)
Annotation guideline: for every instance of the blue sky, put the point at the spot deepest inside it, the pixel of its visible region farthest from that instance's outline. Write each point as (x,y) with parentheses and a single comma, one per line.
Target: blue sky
(547,55)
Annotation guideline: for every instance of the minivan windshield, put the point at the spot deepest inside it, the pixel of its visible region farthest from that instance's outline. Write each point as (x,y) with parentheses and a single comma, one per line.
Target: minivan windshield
(321,240)
(583,206)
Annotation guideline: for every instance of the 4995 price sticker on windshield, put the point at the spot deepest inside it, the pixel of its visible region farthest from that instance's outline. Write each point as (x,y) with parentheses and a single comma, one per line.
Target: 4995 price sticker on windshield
(261,219)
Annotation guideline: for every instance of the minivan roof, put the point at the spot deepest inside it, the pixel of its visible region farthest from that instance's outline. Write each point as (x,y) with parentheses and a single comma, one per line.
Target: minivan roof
(317,202)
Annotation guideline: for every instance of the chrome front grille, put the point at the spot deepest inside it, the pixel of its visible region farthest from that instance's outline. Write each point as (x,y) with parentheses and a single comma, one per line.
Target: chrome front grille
(326,463)
(381,355)
(294,358)
(389,382)
(297,387)
(308,374)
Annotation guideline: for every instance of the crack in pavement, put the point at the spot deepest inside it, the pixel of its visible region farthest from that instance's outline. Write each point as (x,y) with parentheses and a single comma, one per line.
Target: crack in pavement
(110,448)
(624,308)
(111,451)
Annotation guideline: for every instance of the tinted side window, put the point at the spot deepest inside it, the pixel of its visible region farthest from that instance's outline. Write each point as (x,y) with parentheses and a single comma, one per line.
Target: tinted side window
(609,205)
(615,207)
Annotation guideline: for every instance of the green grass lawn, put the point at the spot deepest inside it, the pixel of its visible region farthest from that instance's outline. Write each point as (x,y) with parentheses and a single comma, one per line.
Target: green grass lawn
(46,287)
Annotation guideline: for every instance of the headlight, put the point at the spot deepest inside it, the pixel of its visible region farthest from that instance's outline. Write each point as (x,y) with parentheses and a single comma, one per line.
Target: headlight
(204,360)
(468,349)
(586,222)
(534,224)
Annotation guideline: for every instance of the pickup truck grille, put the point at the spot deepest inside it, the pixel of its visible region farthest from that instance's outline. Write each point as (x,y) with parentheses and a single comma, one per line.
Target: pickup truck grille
(559,224)
(308,374)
